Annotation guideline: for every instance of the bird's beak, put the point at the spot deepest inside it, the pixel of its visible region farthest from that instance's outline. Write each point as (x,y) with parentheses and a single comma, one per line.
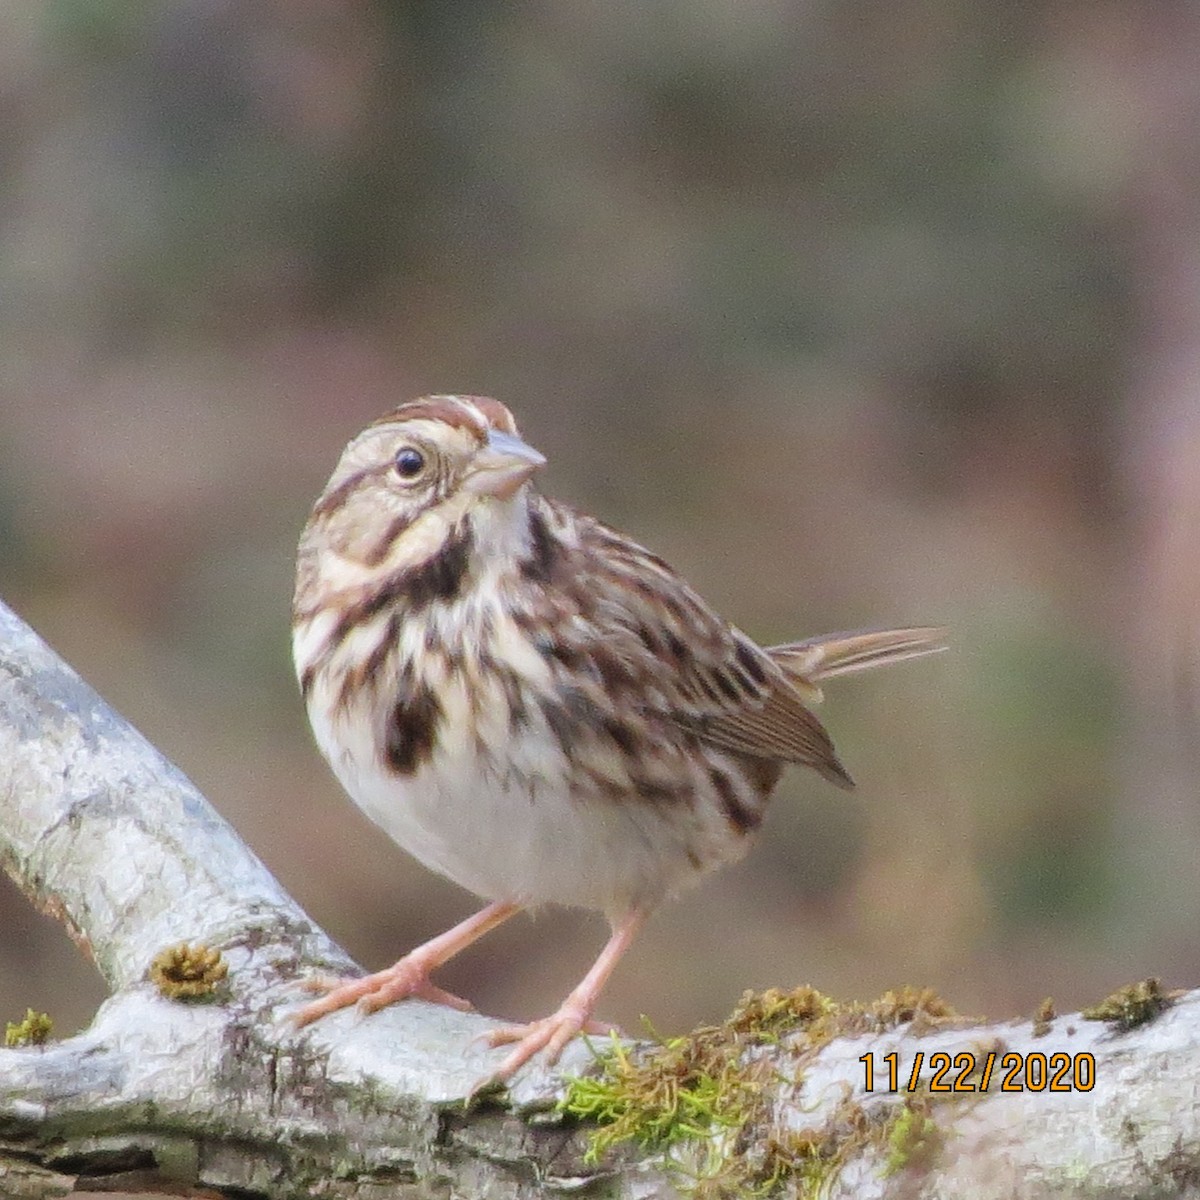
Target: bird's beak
(502,466)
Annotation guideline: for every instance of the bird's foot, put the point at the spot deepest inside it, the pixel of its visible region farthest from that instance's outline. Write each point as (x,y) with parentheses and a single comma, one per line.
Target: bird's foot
(550,1034)
(408,977)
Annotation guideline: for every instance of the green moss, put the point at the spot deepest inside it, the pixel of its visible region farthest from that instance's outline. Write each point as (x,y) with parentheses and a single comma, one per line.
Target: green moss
(32,1031)
(679,1090)
(766,1016)
(1130,1006)
(913,1138)
(808,1159)
(703,1101)
(184,972)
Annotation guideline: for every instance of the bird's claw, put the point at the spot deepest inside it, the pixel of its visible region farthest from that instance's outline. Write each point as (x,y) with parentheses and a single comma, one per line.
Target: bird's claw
(550,1034)
(373,992)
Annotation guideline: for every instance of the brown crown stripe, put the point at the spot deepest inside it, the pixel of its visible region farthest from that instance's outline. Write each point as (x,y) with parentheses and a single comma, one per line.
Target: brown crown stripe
(497,414)
(454,411)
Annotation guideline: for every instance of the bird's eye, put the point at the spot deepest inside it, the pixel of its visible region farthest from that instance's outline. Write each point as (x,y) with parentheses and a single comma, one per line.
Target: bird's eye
(410,462)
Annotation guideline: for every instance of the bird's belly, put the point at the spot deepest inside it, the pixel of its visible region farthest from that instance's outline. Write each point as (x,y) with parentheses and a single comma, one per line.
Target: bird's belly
(525,827)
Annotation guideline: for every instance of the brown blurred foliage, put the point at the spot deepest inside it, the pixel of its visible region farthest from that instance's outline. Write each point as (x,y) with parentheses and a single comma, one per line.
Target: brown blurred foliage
(859,315)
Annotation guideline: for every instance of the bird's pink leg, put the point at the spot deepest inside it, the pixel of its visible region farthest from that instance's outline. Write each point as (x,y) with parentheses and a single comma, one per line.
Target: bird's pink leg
(552,1033)
(409,976)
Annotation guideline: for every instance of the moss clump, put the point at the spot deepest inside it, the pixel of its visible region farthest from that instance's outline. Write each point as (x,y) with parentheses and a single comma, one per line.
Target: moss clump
(186,972)
(708,1113)
(32,1031)
(1043,1017)
(680,1089)
(913,1139)
(705,1100)
(1130,1006)
(921,1005)
(766,1016)
(808,1159)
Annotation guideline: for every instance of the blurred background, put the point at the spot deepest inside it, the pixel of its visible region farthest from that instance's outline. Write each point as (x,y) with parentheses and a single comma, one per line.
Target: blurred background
(857,314)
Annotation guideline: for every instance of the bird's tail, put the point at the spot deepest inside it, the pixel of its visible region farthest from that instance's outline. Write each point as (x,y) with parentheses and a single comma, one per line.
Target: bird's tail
(810,662)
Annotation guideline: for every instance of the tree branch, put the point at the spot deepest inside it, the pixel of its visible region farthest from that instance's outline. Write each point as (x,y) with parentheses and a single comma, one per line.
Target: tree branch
(99,829)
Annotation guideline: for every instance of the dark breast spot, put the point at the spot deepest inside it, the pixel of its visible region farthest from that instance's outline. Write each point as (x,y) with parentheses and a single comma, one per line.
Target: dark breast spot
(613,672)
(653,791)
(544,549)
(571,715)
(623,736)
(741,817)
(676,646)
(514,698)
(366,671)
(383,648)
(559,721)
(440,577)
(411,735)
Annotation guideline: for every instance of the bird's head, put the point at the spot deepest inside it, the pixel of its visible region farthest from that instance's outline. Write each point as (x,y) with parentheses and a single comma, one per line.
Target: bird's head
(432,471)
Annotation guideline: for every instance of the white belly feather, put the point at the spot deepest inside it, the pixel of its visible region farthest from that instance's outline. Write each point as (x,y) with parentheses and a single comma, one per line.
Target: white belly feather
(511,824)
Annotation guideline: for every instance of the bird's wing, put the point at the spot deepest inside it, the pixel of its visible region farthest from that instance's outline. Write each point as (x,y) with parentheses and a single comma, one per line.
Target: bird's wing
(661,648)
(784,721)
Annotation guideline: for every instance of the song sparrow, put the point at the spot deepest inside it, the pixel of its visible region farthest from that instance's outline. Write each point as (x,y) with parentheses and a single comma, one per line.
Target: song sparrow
(531,703)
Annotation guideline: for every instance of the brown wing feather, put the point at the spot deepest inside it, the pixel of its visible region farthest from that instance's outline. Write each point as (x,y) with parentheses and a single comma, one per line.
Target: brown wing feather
(780,726)
(684,660)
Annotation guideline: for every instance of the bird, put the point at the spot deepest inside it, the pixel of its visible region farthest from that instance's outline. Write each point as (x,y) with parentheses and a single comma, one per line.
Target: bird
(531,703)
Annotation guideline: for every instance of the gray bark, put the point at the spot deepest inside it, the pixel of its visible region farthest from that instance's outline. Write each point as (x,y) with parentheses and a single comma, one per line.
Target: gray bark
(98,828)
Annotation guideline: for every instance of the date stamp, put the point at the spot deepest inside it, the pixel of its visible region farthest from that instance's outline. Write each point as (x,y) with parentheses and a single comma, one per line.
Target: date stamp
(980,1071)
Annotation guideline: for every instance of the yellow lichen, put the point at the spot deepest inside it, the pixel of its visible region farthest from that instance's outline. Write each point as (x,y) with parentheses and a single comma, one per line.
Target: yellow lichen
(32,1031)
(1130,1006)
(185,972)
